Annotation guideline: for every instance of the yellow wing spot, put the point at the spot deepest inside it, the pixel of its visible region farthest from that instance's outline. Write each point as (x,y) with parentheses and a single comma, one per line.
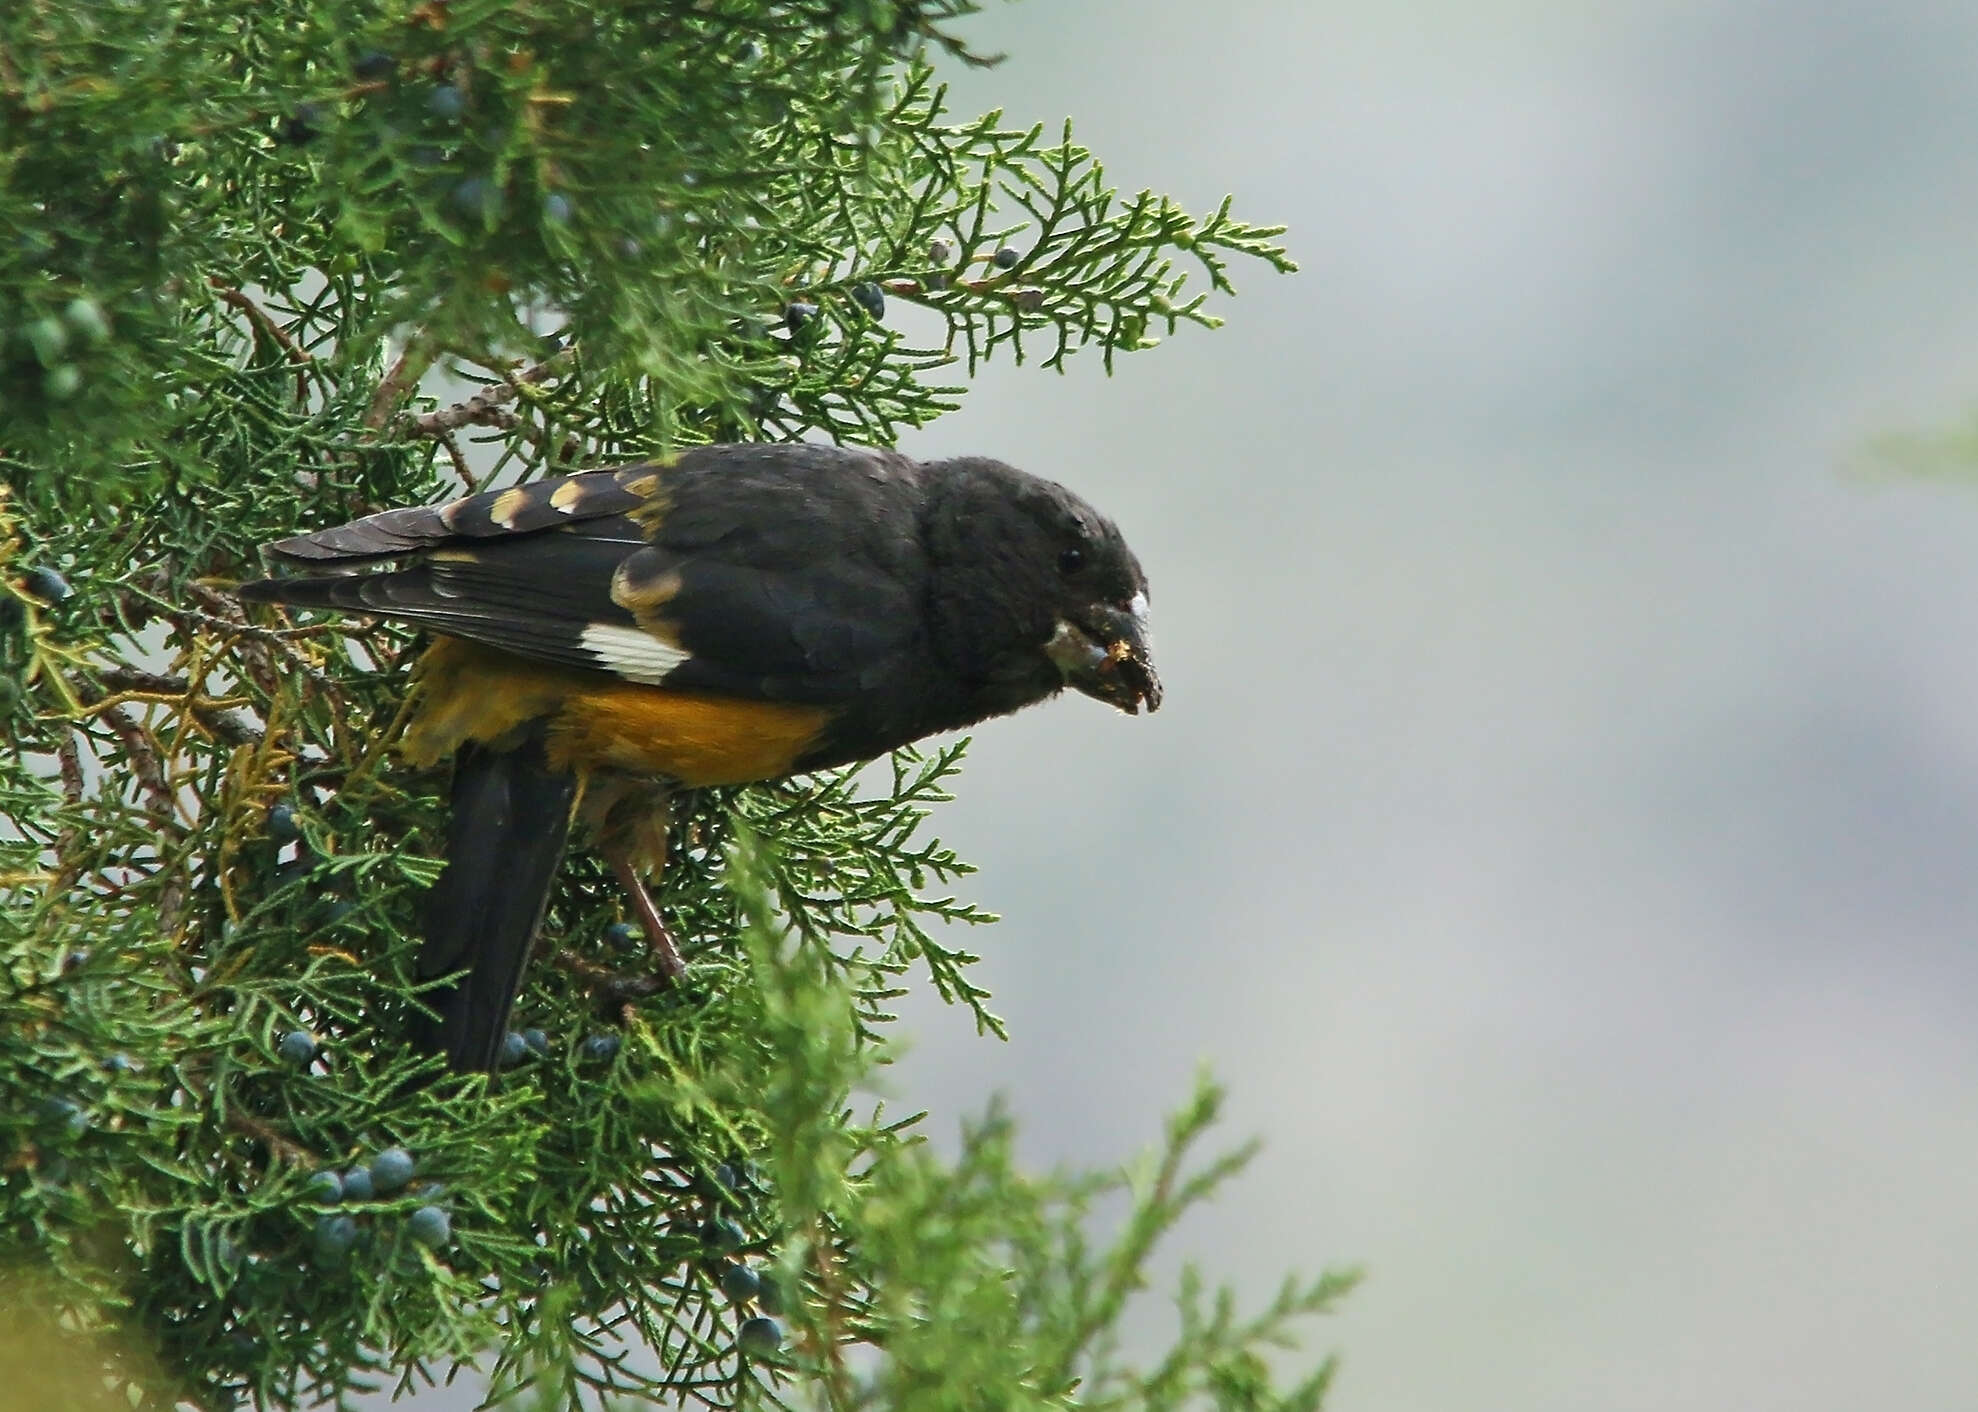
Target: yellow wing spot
(654,502)
(643,597)
(568,496)
(508,505)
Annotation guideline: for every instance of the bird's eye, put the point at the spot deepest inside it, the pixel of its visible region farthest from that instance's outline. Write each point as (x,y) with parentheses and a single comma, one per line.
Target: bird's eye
(1071,561)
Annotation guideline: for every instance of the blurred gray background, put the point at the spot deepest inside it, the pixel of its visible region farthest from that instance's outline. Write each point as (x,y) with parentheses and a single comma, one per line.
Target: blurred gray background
(1561,830)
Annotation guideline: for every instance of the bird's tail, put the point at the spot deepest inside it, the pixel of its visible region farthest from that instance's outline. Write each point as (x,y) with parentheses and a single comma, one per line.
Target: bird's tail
(511,815)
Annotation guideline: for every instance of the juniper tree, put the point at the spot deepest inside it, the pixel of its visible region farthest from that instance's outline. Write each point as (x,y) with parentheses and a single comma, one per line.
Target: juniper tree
(241,246)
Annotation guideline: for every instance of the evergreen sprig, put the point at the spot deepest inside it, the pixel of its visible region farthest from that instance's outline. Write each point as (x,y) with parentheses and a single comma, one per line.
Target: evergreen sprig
(240,246)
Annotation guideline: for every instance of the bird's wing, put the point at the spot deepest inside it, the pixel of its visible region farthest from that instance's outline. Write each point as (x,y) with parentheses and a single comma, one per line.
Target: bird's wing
(769,573)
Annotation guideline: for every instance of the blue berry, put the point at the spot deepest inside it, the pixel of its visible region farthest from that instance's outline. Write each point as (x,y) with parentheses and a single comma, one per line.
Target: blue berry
(760,1337)
(303,126)
(536,1042)
(297,1046)
(47,585)
(769,1294)
(357,1184)
(556,209)
(446,101)
(939,251)
(119,1063)
(740,1283)
(723,1235)
(334,1237)
(373,64)
(479,198)
(282,827)
(514,1049)
(49,338)
(1007,257)
(728,1176)
(871,298)
(85,317)
(623,936)
(325,1188)
(430,1225)
(65,1116)
(796,315)
(391,1169)
(600,1047)
(75,960)
(61,382)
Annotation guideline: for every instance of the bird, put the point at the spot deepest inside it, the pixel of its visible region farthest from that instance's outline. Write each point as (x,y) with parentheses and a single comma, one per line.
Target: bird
(727,614)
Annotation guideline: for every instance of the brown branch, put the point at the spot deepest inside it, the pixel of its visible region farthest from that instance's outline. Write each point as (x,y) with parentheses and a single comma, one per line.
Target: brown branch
(223,724)
(262,320)
(413,360)
(142,754)
(459,459)
(69,761)
(486,407)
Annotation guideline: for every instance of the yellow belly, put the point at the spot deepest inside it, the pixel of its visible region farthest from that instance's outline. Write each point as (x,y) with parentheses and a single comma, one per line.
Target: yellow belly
(596,721)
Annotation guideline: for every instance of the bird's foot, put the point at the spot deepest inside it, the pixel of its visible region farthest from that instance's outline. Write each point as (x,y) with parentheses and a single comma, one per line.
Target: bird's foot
(614,992)
(665,955)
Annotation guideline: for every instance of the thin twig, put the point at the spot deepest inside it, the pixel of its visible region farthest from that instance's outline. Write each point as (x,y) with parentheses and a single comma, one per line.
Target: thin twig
(262,320)
(228,616)
(413,360)
(484,408)
(142,754)
(144,765)
(69,761)
(459,459)
(127,683)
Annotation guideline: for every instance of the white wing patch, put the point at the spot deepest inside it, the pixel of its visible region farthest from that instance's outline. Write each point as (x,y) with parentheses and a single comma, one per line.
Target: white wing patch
(630,653)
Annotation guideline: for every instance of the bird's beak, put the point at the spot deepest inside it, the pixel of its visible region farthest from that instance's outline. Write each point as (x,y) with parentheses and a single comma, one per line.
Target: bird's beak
(1106,656)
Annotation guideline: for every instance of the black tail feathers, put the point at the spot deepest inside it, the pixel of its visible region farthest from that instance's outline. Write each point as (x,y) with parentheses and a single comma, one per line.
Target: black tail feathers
(511,816)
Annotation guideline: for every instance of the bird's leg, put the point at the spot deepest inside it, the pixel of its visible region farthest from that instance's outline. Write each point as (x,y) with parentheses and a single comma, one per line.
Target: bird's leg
(671,967)
(628,818)
(615,991)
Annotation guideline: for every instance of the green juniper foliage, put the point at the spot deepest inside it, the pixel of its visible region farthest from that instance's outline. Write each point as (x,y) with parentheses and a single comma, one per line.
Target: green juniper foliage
(238,244)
